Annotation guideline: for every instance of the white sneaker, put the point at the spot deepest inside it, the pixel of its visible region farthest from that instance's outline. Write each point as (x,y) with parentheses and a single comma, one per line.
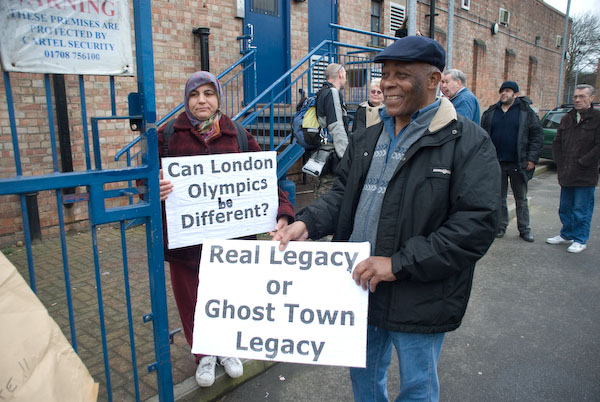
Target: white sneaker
(232,365)
(576,248)
(558,240)
(205,373)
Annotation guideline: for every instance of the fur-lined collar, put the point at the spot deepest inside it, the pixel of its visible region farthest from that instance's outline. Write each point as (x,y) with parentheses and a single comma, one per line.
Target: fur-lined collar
(445,115)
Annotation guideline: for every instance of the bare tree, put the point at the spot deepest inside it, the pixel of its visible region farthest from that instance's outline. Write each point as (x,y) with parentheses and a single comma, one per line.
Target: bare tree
(583,50)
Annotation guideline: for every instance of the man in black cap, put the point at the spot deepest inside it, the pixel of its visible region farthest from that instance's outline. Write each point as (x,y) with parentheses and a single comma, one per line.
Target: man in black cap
(517,134)
(422,187)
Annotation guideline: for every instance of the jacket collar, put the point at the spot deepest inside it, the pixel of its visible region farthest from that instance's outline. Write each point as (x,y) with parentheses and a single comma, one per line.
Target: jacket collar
(583,113)
(445,115)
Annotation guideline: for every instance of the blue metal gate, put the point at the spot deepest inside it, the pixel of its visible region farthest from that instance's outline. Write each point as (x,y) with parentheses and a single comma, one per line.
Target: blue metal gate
(107,339)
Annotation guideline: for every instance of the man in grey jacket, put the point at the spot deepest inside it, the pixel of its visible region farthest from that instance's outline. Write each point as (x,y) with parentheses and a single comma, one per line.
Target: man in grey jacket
(332,115)
(422,187)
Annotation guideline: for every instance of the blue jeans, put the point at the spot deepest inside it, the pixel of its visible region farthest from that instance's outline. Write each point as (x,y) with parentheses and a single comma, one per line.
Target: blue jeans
(575,212)
(418,356)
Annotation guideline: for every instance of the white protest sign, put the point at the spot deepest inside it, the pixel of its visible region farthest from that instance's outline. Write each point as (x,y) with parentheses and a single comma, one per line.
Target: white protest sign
(220,196)
(66,36)
(299,305)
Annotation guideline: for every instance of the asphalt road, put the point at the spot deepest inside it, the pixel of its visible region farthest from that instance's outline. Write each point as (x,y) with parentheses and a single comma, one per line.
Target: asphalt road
(531,331)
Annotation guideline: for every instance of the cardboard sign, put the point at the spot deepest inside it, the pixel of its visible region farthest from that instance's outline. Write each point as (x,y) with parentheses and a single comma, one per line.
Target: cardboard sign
(37,363)
(66,37)
(298,305)
(220,196)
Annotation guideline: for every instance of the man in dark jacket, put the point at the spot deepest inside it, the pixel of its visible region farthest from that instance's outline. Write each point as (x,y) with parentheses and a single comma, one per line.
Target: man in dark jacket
(517,135)
(423,188)
(576,151)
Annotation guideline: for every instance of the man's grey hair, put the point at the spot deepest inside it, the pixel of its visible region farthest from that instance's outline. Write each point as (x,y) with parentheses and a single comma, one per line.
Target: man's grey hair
(332,70)
(586,86)
(456,75)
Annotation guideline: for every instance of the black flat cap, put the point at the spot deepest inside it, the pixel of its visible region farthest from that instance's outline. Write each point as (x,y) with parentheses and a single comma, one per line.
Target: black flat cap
(414,48)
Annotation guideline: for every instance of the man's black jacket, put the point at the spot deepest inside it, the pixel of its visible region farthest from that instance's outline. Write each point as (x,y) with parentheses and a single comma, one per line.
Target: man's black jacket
(438,217)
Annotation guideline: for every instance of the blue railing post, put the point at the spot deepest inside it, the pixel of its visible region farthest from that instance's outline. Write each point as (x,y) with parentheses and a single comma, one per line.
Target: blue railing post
(145,79)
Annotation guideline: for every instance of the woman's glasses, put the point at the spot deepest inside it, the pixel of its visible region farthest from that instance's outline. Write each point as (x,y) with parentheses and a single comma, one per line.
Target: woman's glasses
(376,92)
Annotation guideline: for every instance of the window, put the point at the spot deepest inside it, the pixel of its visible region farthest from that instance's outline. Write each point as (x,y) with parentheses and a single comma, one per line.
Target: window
(503,17)
(375,21)
(531,74)
(268,7)
(397,16)
(465,4)
(558,41)
(553,119)
(510,58)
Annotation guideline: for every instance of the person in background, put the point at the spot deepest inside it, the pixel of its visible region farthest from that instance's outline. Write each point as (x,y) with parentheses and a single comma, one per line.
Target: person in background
(423,188)
(332,115)
(403,30)
(517,135)
(202,129)
(576,152)
(367,114)
(453,87)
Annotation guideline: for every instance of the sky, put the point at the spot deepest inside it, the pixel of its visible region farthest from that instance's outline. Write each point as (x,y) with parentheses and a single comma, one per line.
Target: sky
(577,6)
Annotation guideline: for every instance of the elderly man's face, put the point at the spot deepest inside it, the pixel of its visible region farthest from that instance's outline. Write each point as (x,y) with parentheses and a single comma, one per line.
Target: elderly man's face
(582,99)
(405,87)
(450,86)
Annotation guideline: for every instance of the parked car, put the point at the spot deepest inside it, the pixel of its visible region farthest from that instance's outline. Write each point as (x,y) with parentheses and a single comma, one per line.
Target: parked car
(550,123)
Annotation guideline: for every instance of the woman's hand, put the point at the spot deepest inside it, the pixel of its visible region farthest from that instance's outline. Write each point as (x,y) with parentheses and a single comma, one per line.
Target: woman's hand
(165,186)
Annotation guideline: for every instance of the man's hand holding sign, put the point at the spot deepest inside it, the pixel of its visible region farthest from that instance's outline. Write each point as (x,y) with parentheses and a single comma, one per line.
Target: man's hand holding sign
(367,274)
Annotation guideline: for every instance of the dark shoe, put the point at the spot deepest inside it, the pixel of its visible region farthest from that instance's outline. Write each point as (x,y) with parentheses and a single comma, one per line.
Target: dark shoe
(527,237)
(500,233)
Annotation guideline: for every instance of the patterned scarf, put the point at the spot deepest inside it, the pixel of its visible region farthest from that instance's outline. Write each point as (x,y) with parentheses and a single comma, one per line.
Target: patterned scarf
(209,129)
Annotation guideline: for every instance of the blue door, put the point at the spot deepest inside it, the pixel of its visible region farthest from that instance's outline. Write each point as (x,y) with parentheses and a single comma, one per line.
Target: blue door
(268,23)
(320,14)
